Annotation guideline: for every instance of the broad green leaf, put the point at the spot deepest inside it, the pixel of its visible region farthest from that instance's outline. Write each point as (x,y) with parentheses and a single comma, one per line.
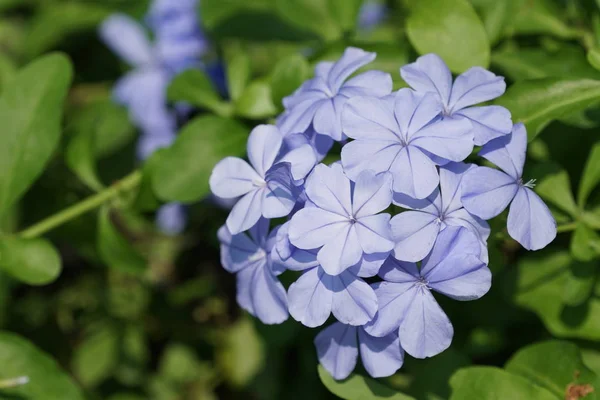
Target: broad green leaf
(579,283)
(553,365)
(540,287)
(183,171)
(33,261)
(240,352)
(8,70)
(555,187)
(491,383)
(358,387)
(97,356)
(287,76)
(255,102)
(20,358)
(593,57)
(31,107)
(114,249)
(238,74)
(585,243)
(539,17)
(538,102)
(194,87)
(590,177)
(179,364)
(80,158)
(495,16)
(451,29)
(145,199)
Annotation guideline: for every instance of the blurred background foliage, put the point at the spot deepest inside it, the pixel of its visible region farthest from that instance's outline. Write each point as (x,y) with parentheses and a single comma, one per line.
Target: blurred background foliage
(139,315)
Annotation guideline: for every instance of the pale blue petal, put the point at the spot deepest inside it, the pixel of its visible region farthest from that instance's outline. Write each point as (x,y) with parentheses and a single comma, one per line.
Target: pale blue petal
(460,276)
(171,218)
(530,222)
(341,252)
(328,118)
(369,118)
(352,59)
(268,297)
(451,176)
(370,83)
(370,264)
(354,301)
(310,298)
(381,356)
(429,74)
(246,212)
(394,300)
(260,232)
(425,330)
(244,284)
(508,151)
(476,225)
(414,233)
(329,189)
(280,194)
(360,155)
(263,147)
(372,193)
(431,204)
(322,69)
(237,251)
(374,233)
(290,256)
(451,139)
(313,227)
(453,239)
(414,173)
(414,110)
(302,159)
(488,122)
(300,116)
(474,86)
(337,349)
(233,177)
(127,38)
(394,270)
(486,192)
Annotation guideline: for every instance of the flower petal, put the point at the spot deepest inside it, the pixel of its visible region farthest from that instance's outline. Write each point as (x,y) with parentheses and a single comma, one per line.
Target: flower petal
(341,252)
(508,151)
(486,192)
(299,118)
(431,204)
(232,177)
(269,299)
(488,122)
(246,212)
(451,176)
(352,59)
(371,119)
(370,83)
(310,298)
(415,110)
(372,193)
(374,233)
(237,251)
(414,233)
(394,300)
(452,240)
(361,155)
(354,301)
(280,194)
(394,270)
(369,264)
(128,39)
(474,86)
(530,222)
(381,356)
(312,227)
(475,225)
(302,159)
(263,147)
(328,118)
(414,173)
(451,139)
(461,277)
(337,349)
(429,74)
(329,189)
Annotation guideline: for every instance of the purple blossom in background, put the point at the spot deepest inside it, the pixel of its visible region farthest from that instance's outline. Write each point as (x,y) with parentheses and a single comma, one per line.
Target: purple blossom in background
(429,74)
(486,192)
(342,218)
(319,102)
(249,256)
(402,134)
(453,268)
(415,231)
(268,185)
(338,346)
(371,14)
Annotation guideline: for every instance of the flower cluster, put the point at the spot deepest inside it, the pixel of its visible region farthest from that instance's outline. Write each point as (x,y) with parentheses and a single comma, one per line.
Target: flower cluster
(179,44)
(406,156)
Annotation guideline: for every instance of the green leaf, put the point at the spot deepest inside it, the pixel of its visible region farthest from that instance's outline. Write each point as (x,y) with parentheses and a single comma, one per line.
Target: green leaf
(183,171)
(555,187)
(179,364)
(114,249)
(20,358)
(238,74)
(256,102)
(146,199)
(240,353)
(451,29)
(287,76)
(593,57)
(580,283)
(31,107)
(539,17)
(97,356)
(358,387)
(33,261)
(495,16)
(491,383)
(194,87)
(553,365)
(585,244)
(540,287)
(591,175)
(80,158)
(538,102)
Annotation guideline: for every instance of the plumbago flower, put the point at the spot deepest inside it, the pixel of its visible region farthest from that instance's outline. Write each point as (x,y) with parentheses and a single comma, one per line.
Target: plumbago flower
(268,185)
(453,268)
(249,256)
(486,192)
(342,217)
(402,134)
(415,231)
(429,74)
(319,101)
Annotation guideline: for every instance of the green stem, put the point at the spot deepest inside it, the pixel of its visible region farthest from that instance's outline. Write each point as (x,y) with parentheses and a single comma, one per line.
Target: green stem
(566,227)
(91,203)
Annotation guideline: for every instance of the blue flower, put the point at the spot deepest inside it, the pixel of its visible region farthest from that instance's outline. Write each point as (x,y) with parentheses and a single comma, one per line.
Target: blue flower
(268,186)
(403,134)
(371,14)
(341,217)
(320,100)
(486,192)
(338,346)
(258,290)
(406,304)
(415,231)
(429,74)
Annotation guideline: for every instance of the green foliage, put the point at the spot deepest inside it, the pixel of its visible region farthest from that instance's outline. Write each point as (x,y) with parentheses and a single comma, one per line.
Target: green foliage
(33,261)
(195,88)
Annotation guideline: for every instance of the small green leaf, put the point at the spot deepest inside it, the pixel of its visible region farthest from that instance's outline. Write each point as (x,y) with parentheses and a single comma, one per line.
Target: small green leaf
(555,187)
(238,74)
(591,175)
(114,248)
(358,387)
(240,353)
(96,357)
(287,76)
(552,365)
(33,261)
(539,17)
(31,107)
(179,364)
(593,57)
(194,87)
(183,171)
(579,283)
(80,158)
(255,102)
(538,102)
(491,383)
(585,243)
(451,29)
(495,16)
(146,199)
